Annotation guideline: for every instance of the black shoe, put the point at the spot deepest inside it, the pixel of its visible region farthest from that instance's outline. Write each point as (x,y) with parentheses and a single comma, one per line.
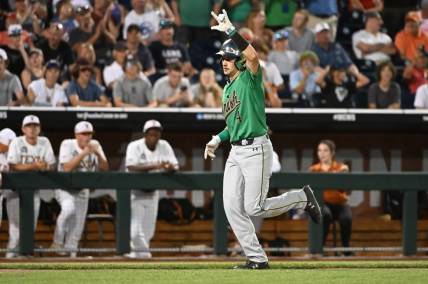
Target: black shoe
(253,265)
(312,206)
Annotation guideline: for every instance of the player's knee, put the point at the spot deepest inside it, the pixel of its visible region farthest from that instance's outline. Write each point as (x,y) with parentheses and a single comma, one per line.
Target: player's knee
(68,209)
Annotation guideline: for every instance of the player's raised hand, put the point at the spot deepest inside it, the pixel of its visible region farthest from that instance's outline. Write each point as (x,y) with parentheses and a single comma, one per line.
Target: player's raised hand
(224,24)
(211,147)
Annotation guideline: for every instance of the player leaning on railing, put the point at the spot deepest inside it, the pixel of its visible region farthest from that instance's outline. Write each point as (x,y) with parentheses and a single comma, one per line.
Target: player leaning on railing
(249,165)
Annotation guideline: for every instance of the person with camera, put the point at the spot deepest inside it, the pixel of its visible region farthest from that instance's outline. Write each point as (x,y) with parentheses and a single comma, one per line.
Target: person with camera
(304,86)
(172,90)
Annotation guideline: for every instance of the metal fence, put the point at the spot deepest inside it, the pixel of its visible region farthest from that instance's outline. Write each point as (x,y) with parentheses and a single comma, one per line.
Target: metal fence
(25,183)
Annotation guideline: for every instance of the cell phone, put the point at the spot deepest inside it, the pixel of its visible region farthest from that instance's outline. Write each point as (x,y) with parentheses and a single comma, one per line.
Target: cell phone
(183,88)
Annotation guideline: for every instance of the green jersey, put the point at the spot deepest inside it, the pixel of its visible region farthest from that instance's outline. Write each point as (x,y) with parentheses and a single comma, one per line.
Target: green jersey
(244,106)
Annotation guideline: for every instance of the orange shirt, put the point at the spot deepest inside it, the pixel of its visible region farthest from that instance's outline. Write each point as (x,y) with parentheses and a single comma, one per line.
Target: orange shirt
(330,195)
(408,44)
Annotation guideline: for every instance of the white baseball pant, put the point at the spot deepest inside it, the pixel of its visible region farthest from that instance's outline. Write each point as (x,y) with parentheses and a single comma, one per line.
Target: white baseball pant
(1,207)
(71,221)
(245,187)
(12,207)
(144,211)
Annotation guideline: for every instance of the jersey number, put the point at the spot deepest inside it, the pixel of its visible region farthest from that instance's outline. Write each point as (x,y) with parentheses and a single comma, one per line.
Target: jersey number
(238,116)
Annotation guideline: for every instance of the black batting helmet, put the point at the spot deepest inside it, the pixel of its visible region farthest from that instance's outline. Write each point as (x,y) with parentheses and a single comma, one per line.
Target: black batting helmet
(230,51)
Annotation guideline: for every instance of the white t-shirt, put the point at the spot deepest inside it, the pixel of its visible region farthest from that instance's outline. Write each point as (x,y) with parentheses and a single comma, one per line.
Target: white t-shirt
(272,73)
(137,153)
(369,38)
(112,72)
(21,152)
(45,96)
(421,98)
(148,22)
(70,149)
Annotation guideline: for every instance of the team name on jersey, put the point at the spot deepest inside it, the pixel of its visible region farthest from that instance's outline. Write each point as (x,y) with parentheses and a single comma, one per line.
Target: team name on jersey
(231,104)
(88,163)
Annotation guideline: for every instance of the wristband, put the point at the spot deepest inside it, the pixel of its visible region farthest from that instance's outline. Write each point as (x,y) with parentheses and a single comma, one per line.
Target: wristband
(240,42)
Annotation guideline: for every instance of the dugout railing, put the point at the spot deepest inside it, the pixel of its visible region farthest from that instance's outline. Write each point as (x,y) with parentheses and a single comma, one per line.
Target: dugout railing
(25,183)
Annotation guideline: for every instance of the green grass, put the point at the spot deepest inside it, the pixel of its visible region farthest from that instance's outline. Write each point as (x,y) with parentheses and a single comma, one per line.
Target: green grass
(218,273)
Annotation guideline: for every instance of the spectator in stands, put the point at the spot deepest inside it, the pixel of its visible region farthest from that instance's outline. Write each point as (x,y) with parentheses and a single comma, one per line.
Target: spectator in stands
(338,86)
(133,89)
(423,13)
(414,76)
(6,40)
(322,11)
(147,16)
(34,67)
(115,70)
(304,84)
(10,86)
(82,90)
(166,51)
(409,41)
(47,91)
(193,19)
(300,38)
(335,201)
(111,12)
(92,33)
(65,16)
(371,43)
(366,6)
(330,53)
(30,15)
(286,60)
(86,51)
(272,79)
(56,48)
(206,93)
(279,13)
(421,98)
(138,49)
(15,49)
(256,22)
(172,90)
(239,10)
(385,93)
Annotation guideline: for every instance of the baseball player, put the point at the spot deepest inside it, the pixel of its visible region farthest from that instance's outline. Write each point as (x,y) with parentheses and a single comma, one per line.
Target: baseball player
(149,154)
(82,154)
(249,165)
(29,152)
(6,136)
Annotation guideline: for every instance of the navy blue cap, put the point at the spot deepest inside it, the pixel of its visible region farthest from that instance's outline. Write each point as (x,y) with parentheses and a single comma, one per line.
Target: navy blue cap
(53,64)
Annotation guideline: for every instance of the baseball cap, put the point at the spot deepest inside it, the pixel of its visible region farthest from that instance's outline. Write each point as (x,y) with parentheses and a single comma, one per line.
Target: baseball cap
(120,45)
(52,64)
(3,54)
(165,23)
(6,136)
(83,127)
(370,15)
(133,27)
(83,10)
(413,16)
(35,50)
(279,35)
(30,119)
(323,26)
(14,30)
(151,124)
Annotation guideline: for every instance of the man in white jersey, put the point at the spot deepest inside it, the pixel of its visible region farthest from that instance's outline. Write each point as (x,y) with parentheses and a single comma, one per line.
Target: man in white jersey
(149,154)
(29,152)
(6,136)
(82,154)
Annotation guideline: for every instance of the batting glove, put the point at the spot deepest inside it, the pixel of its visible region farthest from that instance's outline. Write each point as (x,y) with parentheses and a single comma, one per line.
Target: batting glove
(211,147)
(224,24)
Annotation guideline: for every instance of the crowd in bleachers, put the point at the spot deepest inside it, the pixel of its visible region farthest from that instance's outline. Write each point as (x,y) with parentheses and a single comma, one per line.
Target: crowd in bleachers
(160,53)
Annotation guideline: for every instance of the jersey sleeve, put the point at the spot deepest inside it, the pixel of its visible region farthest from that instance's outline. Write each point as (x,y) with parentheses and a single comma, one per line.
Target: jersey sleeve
(170,155)
(49,156)
(253,79)
(132,154)
(65,152)
(13,156)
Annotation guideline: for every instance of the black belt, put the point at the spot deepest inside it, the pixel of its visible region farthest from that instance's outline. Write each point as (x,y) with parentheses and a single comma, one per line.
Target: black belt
(245,142)
(325,15)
